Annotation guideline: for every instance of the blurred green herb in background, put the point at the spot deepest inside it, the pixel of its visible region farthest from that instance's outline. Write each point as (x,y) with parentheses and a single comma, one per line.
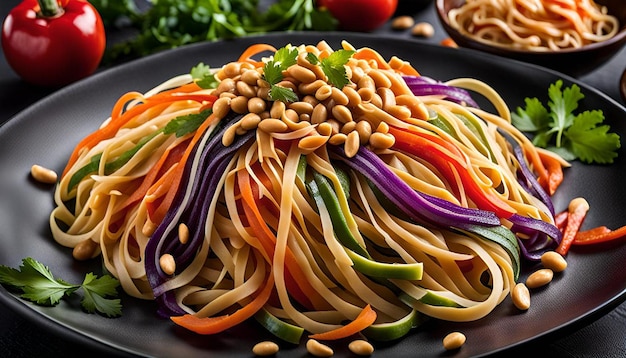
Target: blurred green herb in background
(166,24)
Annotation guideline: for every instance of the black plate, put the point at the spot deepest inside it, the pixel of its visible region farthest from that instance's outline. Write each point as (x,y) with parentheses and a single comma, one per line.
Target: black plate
(45,133)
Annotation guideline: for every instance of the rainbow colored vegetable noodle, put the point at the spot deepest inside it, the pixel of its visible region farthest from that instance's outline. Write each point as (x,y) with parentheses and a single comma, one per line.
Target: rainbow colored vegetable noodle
(308,189)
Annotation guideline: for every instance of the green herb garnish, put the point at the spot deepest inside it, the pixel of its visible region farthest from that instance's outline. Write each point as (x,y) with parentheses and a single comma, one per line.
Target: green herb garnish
(183,125)
(166,24)
(334,66)
(273,74)
(572,135)
(38,285)
(203,76)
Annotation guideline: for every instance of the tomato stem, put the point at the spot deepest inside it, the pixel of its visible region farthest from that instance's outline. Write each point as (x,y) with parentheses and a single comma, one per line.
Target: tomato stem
(49,8)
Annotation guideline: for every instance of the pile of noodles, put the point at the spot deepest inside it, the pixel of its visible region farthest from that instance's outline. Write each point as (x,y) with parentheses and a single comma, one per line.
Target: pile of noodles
(536,25)
(437,222)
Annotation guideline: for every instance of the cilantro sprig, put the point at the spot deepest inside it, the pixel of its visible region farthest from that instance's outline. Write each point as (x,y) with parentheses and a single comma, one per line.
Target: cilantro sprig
(39,285)
(333,66)
(560,129)
(283,58)
(203,76)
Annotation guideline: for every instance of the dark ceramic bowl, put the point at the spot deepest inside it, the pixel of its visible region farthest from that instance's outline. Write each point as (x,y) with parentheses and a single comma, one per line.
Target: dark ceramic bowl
(575,62)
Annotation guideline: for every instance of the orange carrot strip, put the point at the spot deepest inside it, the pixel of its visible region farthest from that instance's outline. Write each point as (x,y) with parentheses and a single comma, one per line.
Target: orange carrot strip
(296,280)
(212,325)
(407,69)
(116,123)
(254,50)
(365,319)
(169,158)
(577,211)
(367,53)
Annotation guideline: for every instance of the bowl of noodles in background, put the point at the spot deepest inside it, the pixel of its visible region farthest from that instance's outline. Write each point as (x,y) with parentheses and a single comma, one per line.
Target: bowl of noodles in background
(570,36)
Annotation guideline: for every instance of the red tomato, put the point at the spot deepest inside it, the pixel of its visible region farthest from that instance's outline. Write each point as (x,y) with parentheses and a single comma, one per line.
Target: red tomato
(360,15)
(54,48)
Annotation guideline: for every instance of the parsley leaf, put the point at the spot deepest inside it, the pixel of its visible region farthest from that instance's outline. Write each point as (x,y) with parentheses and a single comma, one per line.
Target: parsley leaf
(203,76)
(590,141)
(273,73)
(36,282)
(333,66)
(563,104)
(40,286)
(312,58)
(534,118)
(96,290)
(560,129)
(279,93)
(183,125)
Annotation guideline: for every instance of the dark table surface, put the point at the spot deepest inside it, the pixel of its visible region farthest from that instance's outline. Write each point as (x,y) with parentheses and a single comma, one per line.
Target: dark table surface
(22,337)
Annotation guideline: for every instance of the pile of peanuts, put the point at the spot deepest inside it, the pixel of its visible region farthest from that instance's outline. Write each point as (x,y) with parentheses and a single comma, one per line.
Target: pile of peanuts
(552,262)
(352,116)
(315,348)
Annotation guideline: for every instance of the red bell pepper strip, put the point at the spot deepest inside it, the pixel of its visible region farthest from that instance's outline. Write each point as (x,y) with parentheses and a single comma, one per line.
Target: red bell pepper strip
(577,211)
(554,176)
(598,235)
(53,43)
(560,220)
(449,160)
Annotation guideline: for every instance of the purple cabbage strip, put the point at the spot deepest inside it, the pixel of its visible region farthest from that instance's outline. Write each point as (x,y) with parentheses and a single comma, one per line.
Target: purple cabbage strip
(425,86)
(213,161)
(427,209)
(543,236)
(418,206)
(526,176)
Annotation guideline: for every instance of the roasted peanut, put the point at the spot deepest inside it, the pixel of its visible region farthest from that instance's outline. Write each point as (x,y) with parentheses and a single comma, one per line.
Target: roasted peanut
(352,144)
(221,107)
(453,341)
(342,113)
(423,29)
(403,22)
(239,104)
(337,139)
(167,263)
(84,250)
(521,296)
(318,349)
(256,105)
(265,348)
(250,121)
(245,89)
(361,347)
(273,125)
(183,233)
(43,175)
(554,261)
(539,278)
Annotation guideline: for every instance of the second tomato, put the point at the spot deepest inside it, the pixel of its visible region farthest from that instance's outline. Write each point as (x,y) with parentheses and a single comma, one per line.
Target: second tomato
(360,15)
